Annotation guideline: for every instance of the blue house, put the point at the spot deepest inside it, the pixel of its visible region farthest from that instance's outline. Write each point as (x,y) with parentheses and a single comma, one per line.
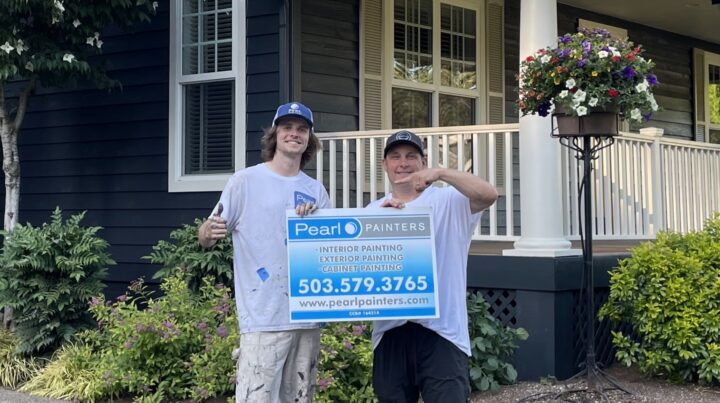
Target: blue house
(204,78)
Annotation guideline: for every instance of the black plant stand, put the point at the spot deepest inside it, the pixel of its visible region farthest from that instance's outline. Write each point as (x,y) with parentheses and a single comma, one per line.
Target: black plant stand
(587,148)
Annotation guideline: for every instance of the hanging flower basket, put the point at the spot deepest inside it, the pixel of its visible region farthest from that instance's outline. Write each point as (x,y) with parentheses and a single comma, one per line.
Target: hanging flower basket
(592,80)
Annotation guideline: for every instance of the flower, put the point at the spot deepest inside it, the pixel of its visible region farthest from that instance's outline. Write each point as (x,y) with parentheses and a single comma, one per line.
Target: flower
(68,57)
(587,71)
(7,47)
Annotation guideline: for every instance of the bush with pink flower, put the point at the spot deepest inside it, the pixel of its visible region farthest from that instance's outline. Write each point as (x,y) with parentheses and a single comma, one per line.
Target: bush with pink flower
(586,71)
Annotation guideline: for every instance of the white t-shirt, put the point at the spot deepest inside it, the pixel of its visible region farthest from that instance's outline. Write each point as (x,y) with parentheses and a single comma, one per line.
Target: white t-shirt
(454,224)
(254,202)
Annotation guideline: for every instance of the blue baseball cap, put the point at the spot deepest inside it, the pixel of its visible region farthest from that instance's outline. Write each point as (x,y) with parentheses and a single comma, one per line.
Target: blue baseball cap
(295,109)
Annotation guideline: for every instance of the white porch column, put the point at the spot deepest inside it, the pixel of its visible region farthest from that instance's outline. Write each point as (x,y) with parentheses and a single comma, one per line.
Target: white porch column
(541,206)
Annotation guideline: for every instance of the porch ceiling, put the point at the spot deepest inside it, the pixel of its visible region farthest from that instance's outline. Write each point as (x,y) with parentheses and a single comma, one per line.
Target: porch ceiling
(694,18)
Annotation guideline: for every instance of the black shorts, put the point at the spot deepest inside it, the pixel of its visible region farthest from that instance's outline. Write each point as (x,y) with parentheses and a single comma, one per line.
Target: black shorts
(412,360)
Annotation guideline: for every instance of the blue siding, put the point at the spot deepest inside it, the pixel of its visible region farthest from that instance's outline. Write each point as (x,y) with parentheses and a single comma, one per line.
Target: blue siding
(107,153)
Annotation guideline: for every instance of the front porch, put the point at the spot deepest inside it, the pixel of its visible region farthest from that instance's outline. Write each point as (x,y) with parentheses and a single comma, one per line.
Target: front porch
(642,184)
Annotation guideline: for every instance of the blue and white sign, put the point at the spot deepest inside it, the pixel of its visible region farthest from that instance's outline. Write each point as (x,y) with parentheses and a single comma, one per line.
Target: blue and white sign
(362,264)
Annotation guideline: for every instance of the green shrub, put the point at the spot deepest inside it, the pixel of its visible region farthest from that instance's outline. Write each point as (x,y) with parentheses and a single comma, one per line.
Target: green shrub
(177,346)
(345,366)
(668,292)
(14,369)
(49,274)
(492,345)
(185,253)
(71,374)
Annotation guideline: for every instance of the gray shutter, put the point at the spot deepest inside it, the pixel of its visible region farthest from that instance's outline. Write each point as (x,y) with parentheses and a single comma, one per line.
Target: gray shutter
(208,114)
(372,43)
(701,115)
(496,80)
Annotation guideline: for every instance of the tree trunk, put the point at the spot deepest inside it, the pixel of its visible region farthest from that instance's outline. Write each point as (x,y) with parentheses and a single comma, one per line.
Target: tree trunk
(11,167)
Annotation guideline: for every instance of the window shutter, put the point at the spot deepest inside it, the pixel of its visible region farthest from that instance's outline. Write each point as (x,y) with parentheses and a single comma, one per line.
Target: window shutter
(209,127)
(496,81)
(372,43)
(701,116)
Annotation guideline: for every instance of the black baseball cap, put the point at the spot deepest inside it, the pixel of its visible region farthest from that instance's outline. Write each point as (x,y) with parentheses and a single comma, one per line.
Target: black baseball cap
(403,137)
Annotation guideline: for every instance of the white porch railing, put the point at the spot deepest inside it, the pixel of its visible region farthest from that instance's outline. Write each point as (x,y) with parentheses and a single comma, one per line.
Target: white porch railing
(350,166)
(641,184)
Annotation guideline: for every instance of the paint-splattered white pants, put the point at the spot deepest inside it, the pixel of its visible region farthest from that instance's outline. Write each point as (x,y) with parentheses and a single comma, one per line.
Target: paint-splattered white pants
(277,366)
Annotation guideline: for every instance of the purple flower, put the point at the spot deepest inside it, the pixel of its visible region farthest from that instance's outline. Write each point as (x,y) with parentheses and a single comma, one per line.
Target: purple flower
(565,38)
(586,46)
(139,328)
(121,298)
(201,325)
(222,331)
(168,324)
(324,383)
(647,116)
(95,301)
(652,80)
(628,72)
(358,330)
(348,345)
(581,62)
(129,345)
(544,109)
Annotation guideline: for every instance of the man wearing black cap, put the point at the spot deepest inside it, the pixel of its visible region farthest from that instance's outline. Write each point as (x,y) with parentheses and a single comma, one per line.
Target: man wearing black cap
(277,359)
(429,357)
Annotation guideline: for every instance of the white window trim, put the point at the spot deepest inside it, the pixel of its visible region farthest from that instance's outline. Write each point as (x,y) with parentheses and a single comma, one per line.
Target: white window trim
(714,59)
(436,88)
(177,182)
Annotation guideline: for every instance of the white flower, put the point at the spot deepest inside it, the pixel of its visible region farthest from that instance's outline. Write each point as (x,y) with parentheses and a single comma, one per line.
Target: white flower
(602,54)
(99,43)
(7,47)
(642,87)
(68,57)
(545,58)
(29,66)
(581,111)
(20,46)
(97,35)
(570,84)
(563,93)
(90,40)
(579,96)
(54,20)
(593,102)
(636,115)
(653,102)
(155,5)
(59,6)
(77,23)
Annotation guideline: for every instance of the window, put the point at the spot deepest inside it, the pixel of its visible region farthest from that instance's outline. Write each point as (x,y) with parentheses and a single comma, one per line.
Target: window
(435,66)
(713,98)
(207,78)
(435,69)
(433,63)
(707,96)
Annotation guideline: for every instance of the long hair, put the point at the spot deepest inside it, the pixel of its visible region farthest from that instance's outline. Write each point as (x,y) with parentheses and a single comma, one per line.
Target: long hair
(269,144)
